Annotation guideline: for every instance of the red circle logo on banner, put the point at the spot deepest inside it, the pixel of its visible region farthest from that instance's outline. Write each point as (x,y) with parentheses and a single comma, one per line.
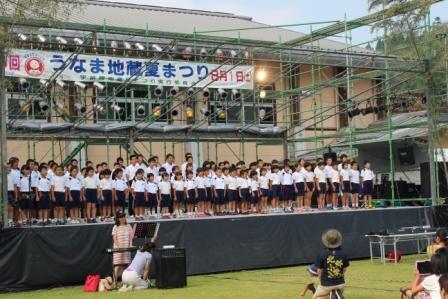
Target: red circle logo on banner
(34,66)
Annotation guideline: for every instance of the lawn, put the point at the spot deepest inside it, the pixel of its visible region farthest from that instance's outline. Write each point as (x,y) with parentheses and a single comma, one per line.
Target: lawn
(364,280)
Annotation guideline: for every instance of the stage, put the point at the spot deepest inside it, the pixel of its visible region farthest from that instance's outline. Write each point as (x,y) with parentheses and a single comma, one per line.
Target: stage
(40,257)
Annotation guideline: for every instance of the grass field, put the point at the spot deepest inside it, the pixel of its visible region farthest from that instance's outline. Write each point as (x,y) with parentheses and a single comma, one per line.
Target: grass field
(365,280)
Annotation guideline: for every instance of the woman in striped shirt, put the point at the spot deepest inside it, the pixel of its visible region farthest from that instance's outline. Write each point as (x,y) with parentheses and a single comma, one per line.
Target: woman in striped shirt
(122,238)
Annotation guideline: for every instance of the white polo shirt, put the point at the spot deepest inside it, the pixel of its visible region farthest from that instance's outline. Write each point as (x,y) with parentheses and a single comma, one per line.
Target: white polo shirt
(74,184)
(242,183)
(328,170)
(12,180)
(152,187)
(231,182)
(286,178)
(24,184)
(354,176)
(165,187)
(179,185)
(119,185)
(297,177)
(309,176)
(43,184)
(58,183)
(335,176)
(219,183)
(367,174)
(321,175)
(106,184)
(190,184)
(90,182)
(138,185)
(275,178)
(263,181)
(344,173)
(200,182)
(168,167)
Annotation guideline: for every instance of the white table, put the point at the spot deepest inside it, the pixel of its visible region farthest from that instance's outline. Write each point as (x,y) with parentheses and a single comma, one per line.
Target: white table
(394,239)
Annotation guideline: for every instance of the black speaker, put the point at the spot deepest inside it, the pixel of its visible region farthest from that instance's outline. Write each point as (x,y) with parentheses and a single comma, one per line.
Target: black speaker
(425,181)
(331,155)
(406,156)
(171,268)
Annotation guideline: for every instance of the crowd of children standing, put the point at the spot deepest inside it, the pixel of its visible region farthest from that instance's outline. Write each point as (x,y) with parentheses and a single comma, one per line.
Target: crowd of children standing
(48,193)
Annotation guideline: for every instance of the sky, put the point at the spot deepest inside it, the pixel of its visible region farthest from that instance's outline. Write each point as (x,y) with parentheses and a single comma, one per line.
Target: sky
(291,11)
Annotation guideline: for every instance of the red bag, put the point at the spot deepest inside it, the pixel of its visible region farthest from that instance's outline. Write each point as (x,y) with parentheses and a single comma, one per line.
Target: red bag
(92,283)
(391,256)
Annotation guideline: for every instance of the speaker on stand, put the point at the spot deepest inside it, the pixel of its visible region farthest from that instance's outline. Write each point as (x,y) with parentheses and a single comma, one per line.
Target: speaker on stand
(171,268)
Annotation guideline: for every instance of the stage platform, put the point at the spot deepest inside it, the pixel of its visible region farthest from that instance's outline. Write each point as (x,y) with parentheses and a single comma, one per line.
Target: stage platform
(38,257)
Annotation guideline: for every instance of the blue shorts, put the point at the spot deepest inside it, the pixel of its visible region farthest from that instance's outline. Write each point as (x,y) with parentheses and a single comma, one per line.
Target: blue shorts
(323,188)
(12,199)
(232,195)
(60,199)
(275,192)
(265,192)
(76,196)
(245,196)
(152,200)
(287,193)
(180,196)
(336,188)
(25,199)
(219,200)
(120,198)
(367,187)
(209,194)
(345,186)
(310,186)
(44,201)
(255,198)
(165,201)
(202,195)
(191,200)
(139,200)
(300,189)
(91,195)
(354,188)
(107,197)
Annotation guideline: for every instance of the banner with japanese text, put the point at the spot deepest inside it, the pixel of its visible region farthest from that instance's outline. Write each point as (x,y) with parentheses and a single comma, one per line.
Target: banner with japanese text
(88,68)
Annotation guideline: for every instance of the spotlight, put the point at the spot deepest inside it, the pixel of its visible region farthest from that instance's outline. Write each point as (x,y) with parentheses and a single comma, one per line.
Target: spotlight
(222,93)
(158,91)
(24,84)
(174,91)
(367,110)
(187,53)
(156,111)
(60,104)
(221,113)
(127,45)
(22,36)
(139,46)
(157,47)
(81,108)
(78,41)
(98,86)
(205,92)
(43,105)
(236,94)
(261,75)
(41,38)
(189,112)
(261,114)
(114,45)
(61,84)
(61,40)
(172,50)
(353,113)
(45,83)
(99,107)
(80,85)
(203,52)
(141,110)
(25,106)
(174,112)
(190,92)
(262,94)
(219,54)
(205,112)
(117,108)
(233,53)
(379,108)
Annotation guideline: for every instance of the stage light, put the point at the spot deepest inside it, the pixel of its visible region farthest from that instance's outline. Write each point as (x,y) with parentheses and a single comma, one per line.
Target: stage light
(172,50)
(61,84)
(233,53)
(379,108)
(22,36)
(117,108)
(222,93)
(114,45)
(41,38)
(24,84)
(61,40)
(99,107)
(205,112)
(25,106)
(205,92)
(139,46)
(174,112)
(190,92)
(353,113)
(98,86)
(221,113)
(236,94)
(189,112)
(174,91)
(158,91)
(261,114)
(43,105)
(187,53)
(141,110)
(60,104)
(367,110)
(219,54)
(81,108)
(80,85)
(78,41)
(262,94)
(127,45)
(157,47)
(261,75)
(203,52)
(156,111)
(45,83)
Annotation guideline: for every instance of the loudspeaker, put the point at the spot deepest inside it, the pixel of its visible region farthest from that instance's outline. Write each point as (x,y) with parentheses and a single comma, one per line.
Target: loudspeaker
(331,155)
(171,268)
(425,181)
(406,156)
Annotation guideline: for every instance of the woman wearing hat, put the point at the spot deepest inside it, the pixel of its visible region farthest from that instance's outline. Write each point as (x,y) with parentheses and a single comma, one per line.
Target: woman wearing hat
(122,238)
(331,264)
